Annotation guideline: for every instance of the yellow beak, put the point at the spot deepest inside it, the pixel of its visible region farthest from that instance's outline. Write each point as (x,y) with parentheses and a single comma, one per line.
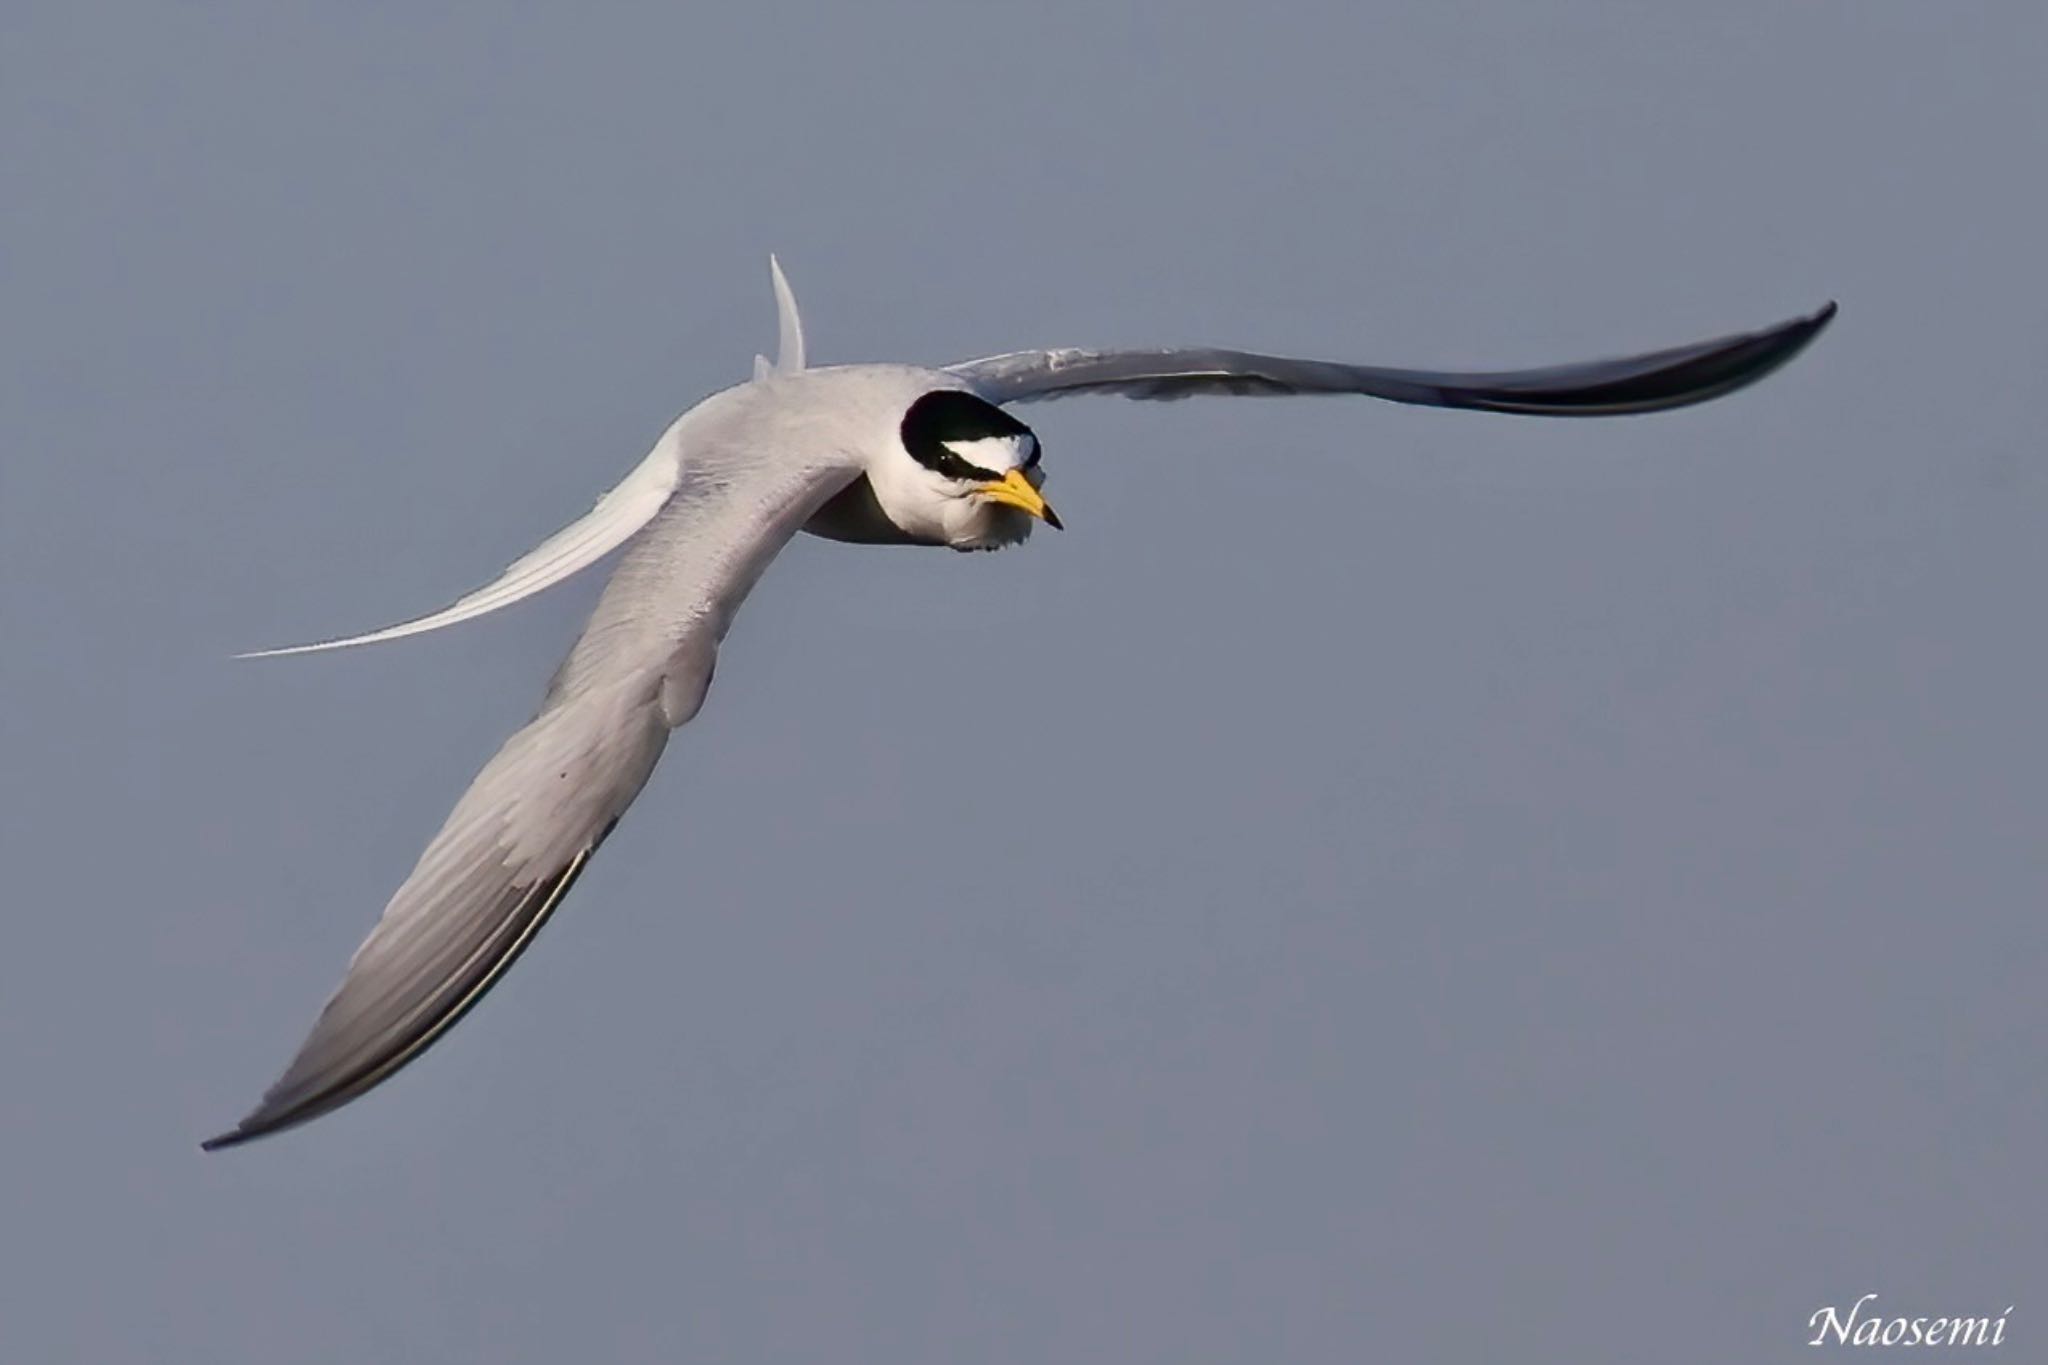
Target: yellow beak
(1014,490)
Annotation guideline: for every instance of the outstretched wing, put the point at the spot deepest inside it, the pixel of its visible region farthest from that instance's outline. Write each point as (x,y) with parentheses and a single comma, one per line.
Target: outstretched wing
(630,505)
(529,823)
(509,852)
(1600,388)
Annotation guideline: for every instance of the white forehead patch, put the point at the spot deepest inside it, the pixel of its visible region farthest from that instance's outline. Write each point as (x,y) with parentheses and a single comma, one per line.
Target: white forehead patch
(999,453)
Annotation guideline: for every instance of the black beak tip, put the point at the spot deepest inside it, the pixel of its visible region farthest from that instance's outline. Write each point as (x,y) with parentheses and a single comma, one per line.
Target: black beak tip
(1052,519)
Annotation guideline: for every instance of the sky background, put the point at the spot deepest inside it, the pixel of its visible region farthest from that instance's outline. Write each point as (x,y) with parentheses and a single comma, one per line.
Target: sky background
(1469,888)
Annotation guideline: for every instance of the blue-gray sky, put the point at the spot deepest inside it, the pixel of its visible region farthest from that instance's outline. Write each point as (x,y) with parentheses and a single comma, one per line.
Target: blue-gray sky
(1476,888)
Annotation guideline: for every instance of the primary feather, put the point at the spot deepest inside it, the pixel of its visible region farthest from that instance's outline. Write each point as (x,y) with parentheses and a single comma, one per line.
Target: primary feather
(630,505)
(1650,382)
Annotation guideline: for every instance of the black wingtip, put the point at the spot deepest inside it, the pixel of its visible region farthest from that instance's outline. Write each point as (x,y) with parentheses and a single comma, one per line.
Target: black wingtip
(1795,336)
(253,1125)
(260,1123)
(1809,327)
(1792,337)
(1657,381)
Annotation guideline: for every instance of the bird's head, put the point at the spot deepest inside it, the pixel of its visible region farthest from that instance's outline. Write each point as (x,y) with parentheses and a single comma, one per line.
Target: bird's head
(968,474)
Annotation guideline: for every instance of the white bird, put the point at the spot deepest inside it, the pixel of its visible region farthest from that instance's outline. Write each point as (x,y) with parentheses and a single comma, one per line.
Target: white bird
(872,454)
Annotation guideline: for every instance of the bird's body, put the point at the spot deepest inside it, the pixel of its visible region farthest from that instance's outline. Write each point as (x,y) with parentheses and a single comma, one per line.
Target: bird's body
(867,454)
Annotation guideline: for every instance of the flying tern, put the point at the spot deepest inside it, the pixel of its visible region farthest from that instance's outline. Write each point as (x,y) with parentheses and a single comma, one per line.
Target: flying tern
(868,454)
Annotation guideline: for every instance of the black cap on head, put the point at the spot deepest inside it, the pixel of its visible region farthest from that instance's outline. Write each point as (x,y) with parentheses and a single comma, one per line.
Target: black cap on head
(941,422)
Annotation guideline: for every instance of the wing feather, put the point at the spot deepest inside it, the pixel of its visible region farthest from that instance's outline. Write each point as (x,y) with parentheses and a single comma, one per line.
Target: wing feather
(529,823)
(1650,382)
(630,505)
(483,888)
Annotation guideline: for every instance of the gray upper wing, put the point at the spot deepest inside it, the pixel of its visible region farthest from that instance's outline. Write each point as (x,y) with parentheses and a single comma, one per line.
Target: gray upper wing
(523,832)
(509,852)
(1640,383)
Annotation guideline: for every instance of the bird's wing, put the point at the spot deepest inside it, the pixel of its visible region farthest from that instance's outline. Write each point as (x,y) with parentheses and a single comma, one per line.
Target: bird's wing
(522,833)
(630,505)
(1600,388)
(789,324)
(789,329)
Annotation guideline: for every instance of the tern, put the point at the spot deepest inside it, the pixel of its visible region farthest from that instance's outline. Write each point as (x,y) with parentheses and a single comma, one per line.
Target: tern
(866,454)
